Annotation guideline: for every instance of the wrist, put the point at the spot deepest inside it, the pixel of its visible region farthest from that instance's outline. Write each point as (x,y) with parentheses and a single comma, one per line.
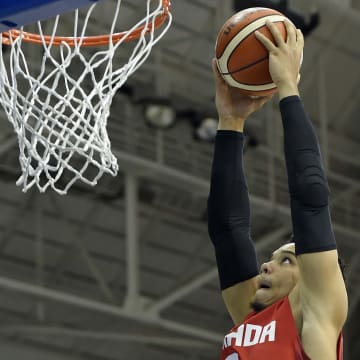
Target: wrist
(231,123)
(287,90)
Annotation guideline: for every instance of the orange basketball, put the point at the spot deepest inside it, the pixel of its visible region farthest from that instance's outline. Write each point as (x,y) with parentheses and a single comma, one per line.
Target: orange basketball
(242,59)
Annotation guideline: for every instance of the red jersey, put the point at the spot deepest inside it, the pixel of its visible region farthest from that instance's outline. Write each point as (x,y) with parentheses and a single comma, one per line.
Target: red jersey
(270,334)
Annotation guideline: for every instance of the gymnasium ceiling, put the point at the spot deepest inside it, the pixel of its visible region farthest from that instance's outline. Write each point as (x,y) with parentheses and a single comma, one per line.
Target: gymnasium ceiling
(125,269)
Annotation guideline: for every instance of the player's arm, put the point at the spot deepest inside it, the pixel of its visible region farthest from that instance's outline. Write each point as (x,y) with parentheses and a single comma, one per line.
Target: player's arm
(322,290)
(228,204)
(229,225)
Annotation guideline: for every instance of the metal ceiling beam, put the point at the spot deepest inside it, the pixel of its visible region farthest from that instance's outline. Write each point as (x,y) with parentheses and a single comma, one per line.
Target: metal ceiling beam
(166,174)
(13,223)
(78,247)
(162,173)
(182,291)
(200,186)
(132,301)
(14,348)
(118,312)
(39,252)
(169,299)
(51,331)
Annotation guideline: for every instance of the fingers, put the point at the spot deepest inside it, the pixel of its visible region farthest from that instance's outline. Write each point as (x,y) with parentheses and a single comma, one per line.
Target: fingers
(269,45)
(275,33)
(294,36)
(300,38)
(217,76)
(214,67)
(291,33)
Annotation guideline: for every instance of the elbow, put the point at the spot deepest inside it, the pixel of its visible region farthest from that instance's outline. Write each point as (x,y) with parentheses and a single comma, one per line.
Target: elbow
(224,227)
(314,192)
(309,184)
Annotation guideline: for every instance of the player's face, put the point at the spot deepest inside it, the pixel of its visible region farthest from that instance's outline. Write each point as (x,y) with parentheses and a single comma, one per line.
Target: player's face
(277,277)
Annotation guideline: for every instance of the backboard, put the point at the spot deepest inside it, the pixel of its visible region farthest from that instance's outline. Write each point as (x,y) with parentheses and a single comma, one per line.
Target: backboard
(14,14)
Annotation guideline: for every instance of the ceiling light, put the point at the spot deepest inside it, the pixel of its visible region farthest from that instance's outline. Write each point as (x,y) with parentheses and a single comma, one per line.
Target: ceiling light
(206,130)
(159,113)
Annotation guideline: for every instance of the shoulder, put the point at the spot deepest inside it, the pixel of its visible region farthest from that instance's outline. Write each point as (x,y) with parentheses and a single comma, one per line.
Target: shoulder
(322,291)
(238,299)
(319,303)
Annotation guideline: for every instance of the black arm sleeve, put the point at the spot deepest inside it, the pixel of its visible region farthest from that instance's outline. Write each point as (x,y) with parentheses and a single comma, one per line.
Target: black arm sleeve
(229,211)
(308,187)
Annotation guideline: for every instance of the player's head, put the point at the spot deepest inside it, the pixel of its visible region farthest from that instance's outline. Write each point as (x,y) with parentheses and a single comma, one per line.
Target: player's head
(277,278)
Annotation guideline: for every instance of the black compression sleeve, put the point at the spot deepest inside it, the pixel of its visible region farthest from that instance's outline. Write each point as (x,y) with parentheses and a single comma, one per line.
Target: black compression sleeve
(229,211)
(308,186)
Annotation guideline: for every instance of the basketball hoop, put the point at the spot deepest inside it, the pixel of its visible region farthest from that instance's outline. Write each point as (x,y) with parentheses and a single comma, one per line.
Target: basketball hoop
(59,106)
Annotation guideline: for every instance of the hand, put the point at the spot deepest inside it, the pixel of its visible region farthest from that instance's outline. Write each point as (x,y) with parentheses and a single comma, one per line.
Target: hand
(284,57)
(232,105)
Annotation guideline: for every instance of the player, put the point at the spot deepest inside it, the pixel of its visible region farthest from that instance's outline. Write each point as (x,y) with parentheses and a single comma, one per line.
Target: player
(297,306)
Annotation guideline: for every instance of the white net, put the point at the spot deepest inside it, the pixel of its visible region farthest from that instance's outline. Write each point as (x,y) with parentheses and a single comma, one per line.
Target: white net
(59,105)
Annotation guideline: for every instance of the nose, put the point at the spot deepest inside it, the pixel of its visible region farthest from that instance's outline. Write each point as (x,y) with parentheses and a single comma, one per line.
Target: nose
(266,268)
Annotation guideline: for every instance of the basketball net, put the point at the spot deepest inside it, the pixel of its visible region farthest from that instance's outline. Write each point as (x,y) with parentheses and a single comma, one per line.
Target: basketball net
(59,108)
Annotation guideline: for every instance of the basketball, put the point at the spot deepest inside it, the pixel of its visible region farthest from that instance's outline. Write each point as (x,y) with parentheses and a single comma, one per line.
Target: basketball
(242,59)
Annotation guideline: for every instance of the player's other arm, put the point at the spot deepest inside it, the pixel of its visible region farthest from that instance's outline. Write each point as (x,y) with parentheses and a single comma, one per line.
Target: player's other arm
(322,290)
(228,204)
(322,287)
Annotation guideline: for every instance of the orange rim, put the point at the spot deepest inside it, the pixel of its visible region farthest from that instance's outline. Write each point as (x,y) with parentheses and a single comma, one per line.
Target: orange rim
(88,40)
